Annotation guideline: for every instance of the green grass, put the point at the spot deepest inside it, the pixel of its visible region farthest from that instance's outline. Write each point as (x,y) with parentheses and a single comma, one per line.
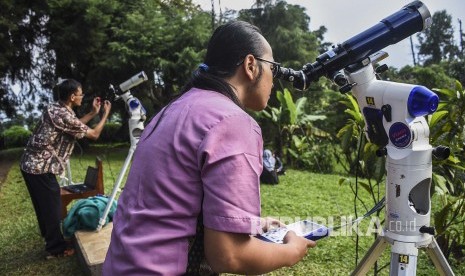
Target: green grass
(299,195)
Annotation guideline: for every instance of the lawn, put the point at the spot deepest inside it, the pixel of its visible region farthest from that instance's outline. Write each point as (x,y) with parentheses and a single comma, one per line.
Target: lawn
(299,195)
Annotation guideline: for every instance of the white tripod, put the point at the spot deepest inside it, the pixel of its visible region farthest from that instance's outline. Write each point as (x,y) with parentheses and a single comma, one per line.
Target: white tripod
(394,117)
(137,116)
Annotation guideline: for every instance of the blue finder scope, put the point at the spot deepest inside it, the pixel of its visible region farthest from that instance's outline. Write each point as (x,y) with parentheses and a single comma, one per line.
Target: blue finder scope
(412,18)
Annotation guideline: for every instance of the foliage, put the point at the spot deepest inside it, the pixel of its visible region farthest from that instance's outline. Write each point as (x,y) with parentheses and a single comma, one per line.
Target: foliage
(101,42)
(358,155)
(431,76)
(21,25)
(289,37)
(298,141)
(162,37)
(16,136)
(437,42)
(447,129)
(110,133)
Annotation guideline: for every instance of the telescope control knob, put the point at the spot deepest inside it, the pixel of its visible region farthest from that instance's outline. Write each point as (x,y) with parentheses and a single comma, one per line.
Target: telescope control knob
(382,68)
(346,88)
(427,229)
(441,152)
(387,112)
(381,152)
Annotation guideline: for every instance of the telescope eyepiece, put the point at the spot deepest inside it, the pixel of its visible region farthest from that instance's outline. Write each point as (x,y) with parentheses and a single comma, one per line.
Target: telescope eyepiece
(298,78)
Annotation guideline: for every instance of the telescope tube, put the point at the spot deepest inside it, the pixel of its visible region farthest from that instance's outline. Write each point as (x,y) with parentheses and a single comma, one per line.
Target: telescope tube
(412,18)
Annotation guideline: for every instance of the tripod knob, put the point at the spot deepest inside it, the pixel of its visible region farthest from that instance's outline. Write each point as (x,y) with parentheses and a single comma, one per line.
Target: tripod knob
(441,152)
(427,229)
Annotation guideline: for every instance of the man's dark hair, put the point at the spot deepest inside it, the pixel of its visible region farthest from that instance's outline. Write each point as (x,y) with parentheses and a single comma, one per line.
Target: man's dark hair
(64,89)
(228,46)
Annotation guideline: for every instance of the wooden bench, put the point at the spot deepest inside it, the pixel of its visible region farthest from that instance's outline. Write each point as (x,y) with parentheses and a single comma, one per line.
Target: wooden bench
(67,196)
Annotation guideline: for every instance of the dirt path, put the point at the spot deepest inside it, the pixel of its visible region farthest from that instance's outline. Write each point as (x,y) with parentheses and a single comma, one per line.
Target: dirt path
(5,166)
(6,161)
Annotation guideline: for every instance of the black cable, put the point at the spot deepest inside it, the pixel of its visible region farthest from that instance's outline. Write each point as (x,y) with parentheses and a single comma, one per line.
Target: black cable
(356,194)
(81,154)
(106,153)
(378,206)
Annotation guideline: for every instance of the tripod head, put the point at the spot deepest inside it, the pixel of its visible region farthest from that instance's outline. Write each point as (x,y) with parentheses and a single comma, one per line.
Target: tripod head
(137,113)
(412,18)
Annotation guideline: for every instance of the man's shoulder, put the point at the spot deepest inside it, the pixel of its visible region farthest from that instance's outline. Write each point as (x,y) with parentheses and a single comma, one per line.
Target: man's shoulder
(57,107)
(207,101)
(58,111)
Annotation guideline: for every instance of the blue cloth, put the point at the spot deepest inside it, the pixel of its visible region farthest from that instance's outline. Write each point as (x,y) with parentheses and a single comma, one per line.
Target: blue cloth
(86,213)
(269,162)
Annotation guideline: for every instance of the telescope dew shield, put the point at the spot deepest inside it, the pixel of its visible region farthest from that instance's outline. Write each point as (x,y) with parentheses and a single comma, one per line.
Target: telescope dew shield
(133,81)
(412,18)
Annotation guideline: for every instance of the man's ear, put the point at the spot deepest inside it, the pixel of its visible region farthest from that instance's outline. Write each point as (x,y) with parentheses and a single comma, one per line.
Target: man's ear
(249,66)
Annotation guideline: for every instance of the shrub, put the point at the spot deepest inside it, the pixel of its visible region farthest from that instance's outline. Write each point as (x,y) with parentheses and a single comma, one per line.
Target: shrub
(110,133)
(16,136)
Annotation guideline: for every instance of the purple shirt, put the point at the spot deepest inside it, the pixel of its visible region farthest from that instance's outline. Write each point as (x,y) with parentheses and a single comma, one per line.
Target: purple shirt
(206,147)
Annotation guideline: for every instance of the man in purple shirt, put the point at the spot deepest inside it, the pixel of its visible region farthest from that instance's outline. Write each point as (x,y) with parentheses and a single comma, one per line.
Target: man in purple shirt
(191,204)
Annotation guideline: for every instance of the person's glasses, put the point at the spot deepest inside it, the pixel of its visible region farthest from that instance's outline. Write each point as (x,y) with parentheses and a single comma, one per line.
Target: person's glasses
(274,66)
(82,95)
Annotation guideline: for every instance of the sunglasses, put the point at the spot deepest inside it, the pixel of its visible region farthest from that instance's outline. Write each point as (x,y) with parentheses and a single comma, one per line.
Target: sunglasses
(274,65)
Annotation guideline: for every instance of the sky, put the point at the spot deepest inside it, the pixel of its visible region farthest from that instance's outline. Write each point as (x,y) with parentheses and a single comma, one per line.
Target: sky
(346,18)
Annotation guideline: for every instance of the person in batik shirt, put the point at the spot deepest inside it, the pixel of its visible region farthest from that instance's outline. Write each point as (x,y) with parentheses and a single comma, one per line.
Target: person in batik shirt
(46,154)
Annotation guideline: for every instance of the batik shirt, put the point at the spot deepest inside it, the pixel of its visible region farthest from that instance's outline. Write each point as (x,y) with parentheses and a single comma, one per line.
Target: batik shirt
(52,142)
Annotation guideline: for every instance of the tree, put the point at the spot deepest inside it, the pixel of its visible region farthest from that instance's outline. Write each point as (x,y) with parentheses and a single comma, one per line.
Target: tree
(112,40)
(21,33)
(289,37)
(437,42)
(101,42)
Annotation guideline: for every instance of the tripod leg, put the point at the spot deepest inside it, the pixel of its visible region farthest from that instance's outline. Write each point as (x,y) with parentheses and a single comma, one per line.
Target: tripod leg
(440,262)
(115,188)
(371,256)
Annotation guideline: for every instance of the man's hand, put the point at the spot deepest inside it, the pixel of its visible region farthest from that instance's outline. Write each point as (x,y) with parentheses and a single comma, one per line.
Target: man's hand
(96,105)
(270,223)
(107,107)
(300,245)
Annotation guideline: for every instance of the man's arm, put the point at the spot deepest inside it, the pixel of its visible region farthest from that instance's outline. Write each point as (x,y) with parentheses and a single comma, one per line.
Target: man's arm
(244,254)
(95,109)
(94,133)
(86,118)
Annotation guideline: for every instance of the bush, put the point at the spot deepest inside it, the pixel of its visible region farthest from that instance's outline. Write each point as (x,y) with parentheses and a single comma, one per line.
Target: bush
(16,136)
(110,133)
